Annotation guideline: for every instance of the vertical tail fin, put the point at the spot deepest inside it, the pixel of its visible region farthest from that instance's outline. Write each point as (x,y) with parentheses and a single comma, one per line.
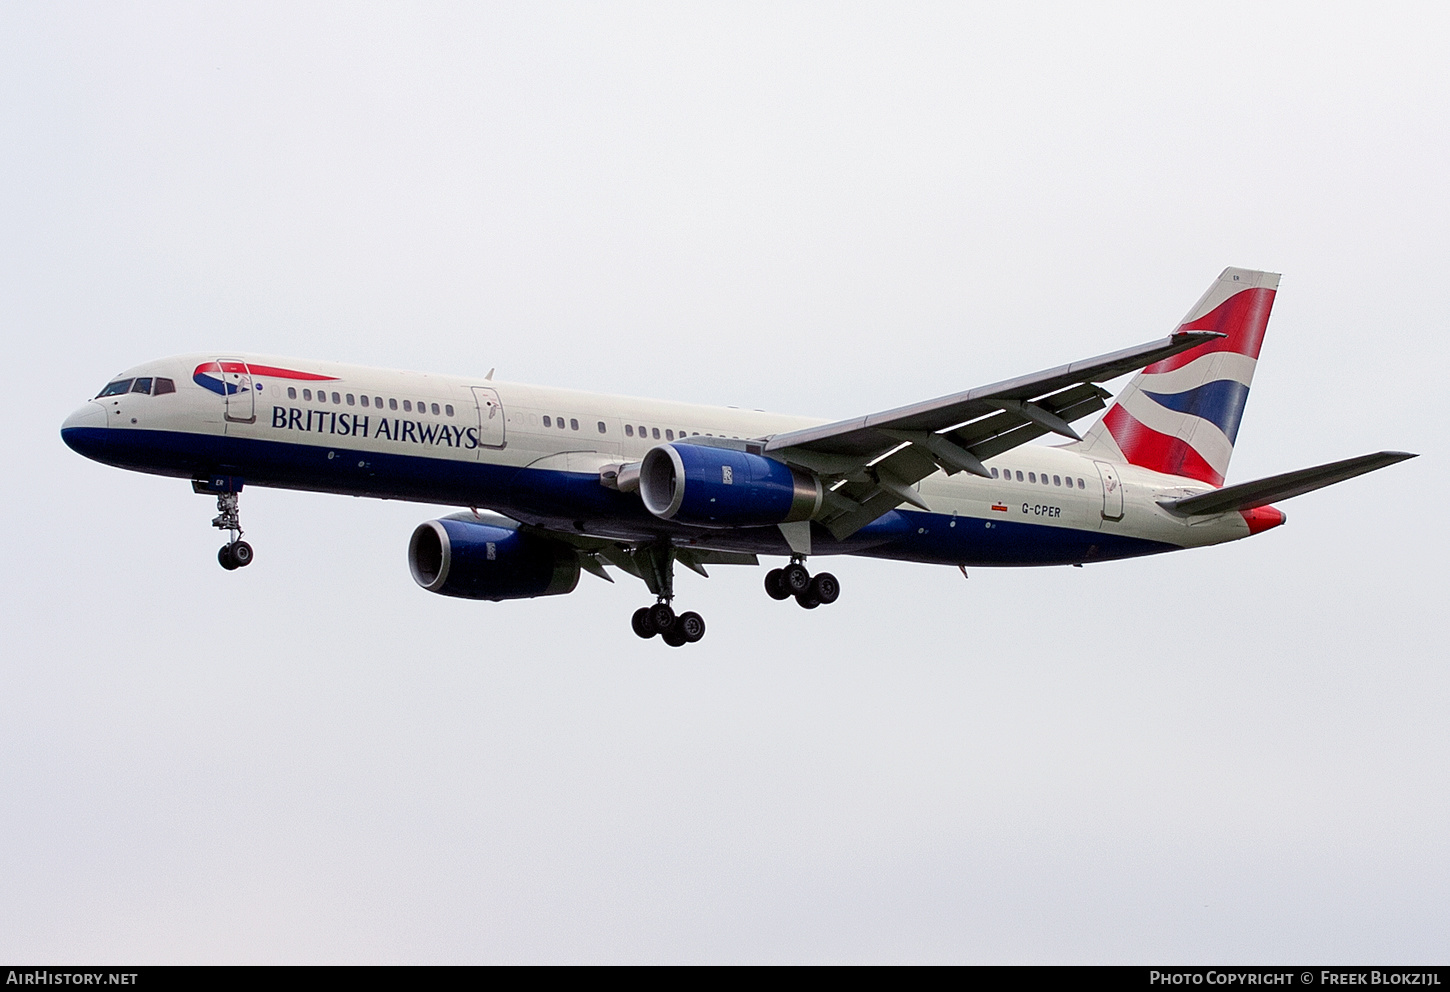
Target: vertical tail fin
(1181,416)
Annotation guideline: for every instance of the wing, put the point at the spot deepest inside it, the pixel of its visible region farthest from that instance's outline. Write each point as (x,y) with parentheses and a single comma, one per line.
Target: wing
(870,464)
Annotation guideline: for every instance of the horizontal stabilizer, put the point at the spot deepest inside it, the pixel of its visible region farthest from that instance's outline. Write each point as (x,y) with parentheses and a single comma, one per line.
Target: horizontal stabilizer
(1262,492)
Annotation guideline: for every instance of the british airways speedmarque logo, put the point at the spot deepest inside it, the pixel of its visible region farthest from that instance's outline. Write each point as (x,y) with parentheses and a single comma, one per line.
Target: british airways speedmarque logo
(208,375)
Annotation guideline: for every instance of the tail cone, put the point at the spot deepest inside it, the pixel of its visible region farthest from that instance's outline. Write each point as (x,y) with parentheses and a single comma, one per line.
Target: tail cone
(1262,518)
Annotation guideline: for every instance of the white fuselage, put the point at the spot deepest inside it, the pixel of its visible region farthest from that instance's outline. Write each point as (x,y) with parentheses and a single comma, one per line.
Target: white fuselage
(535,453)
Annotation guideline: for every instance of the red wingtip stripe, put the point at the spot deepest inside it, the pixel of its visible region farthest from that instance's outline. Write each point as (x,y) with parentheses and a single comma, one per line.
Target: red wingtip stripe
(1243,317)
(1142,445)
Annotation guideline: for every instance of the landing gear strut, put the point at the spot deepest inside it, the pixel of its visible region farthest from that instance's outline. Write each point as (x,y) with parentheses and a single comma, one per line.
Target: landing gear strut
(656,564)
(236,553)
(795,581)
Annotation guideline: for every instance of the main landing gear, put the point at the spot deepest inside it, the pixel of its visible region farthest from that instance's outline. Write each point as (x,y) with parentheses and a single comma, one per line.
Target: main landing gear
(676,631)
(656,565)
(794,580)
(236,553)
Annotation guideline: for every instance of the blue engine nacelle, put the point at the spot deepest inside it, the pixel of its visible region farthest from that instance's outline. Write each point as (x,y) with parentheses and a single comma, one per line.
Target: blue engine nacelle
(464,557)
(722,487)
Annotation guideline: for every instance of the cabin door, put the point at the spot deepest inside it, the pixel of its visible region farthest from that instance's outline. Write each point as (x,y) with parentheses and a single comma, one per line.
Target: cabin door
(239,390)
(490,417)
(1112,491)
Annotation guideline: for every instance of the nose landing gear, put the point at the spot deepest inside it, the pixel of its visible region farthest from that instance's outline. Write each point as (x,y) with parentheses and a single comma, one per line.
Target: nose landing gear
(795,581)
(236,553)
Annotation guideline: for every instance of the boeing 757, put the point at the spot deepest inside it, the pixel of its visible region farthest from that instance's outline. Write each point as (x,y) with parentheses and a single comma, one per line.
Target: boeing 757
(558,481)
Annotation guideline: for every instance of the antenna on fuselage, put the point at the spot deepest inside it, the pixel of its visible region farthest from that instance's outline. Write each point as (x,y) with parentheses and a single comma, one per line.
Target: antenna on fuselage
(489,377)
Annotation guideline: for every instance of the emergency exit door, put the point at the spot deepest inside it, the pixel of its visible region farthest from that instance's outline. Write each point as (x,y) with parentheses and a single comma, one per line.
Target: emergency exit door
(491,432)
(1112,491)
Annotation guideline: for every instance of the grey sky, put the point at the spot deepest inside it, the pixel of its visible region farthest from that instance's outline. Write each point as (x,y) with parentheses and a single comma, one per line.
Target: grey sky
(1234,754)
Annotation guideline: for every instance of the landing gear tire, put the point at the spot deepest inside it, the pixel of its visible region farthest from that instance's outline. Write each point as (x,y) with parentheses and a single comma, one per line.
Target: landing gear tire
(661,617)
(795,578)
(825,589)
(674,638)
(808,600)
(642,624)
(775,584)
(236,553)
(690,626)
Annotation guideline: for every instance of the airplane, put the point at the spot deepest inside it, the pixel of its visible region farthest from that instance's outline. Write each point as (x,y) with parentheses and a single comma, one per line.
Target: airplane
(558,482)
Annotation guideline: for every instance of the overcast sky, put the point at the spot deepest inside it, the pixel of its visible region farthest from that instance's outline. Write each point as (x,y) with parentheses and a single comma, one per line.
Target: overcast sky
(1236,754)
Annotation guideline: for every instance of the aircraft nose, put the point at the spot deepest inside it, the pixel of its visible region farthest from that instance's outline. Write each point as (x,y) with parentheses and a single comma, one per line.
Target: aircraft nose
(83,431)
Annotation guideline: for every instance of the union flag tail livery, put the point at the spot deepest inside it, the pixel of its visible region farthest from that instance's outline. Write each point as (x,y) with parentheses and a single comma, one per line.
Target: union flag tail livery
(1180,416)
(560,482)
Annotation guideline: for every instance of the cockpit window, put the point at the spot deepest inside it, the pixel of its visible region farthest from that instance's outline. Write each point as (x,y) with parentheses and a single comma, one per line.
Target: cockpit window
(163,386)
(142,386)
(116,388)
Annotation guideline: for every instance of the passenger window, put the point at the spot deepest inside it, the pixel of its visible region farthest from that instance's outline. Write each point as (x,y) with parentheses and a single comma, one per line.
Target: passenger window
(1056,480)
(1019,475)
(291,392)
(573,424)
(336,398)
(547,421)
(602,428)
(364,399)
(378,402)
(350,400)
(657,433)
(307,394)
(669,434)
(407,406)
(422,406)
(1044,479)
(642,431)
(115,388)
(994,473)
(1031,476)
(448,409)
(1080,485)
(142,386)
(629,430)
(165,386)
(392,403)
(435,409)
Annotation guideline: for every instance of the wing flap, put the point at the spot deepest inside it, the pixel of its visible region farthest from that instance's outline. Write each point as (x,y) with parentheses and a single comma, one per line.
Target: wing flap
(870,464)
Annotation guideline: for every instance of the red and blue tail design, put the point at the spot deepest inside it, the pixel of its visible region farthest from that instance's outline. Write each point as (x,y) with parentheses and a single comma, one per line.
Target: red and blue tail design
(1181,416)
